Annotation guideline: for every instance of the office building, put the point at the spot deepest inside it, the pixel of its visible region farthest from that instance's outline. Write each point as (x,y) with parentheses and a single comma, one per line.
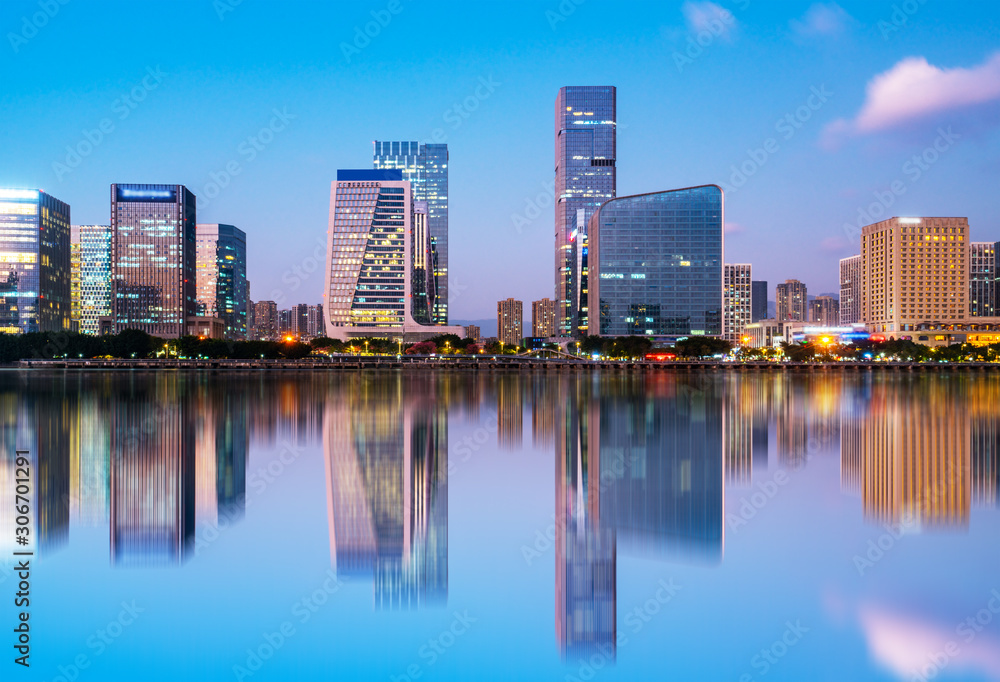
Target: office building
(369,276)
(914,270)
(824,311)
(656,264)
(509,322)
(90,261)
(221,267)
(737,299)
(850,290)
(758,301)
(790,301)
(585,141)
(473,332)
(543,318)
(425,166)
(265,320)
(153,230)
(983,278)
(314,321)
(34,262)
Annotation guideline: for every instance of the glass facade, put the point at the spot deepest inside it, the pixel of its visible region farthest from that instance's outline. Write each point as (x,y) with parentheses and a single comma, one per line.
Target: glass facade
(425,166)
(585,148)
(34,262)
(656,264)
(983,274)
(221,279)
(153,258)
(91,281)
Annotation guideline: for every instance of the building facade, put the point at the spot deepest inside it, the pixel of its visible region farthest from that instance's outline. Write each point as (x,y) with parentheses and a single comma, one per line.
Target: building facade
(656,264)
(791,301)
(91,263)
(850,290)
(473,332)
(824,311)
(34,262)
(543,318)
(737,300)
(983,274)
(585,147)
(221,266)
(510,317)
(153,243)
(914,270)
(265,320)
(370,262)
(425,166)
(758,301)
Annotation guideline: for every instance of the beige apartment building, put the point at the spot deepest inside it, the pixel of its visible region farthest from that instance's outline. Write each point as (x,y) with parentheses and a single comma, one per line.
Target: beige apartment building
(914,270)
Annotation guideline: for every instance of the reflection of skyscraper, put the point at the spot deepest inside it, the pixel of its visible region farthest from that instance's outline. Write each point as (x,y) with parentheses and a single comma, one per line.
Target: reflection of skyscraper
(51,419)
(89,451)
(791,425)
(152,474)
(738,430)
(386,447)
(985,443)
(510,424)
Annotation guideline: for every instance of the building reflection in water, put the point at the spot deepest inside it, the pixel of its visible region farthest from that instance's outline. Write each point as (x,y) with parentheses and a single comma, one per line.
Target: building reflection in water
(639,468)
(385,439)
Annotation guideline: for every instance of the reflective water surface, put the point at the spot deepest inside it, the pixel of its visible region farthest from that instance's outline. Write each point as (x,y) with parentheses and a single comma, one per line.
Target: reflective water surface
(406,526)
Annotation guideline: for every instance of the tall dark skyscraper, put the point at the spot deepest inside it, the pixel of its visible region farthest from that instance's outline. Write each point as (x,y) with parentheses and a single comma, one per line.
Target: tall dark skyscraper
(585,140)
(34,262)
(221,264)
(153,258)
(425,166)
(758,301)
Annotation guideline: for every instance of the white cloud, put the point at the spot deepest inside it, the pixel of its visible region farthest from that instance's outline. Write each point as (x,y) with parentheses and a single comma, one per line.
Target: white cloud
(822,19)
(710,17)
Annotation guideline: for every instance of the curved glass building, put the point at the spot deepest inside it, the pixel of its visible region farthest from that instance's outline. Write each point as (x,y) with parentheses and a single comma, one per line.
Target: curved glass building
(655,264)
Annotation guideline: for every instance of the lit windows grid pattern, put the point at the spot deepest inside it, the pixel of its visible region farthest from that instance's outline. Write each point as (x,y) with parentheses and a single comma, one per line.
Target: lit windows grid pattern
(737,300)
(850,290)
(790,301)
(983,278)
(585,178)
(660,269)
(426,167)
(367,269)
(510,316)
(221,277)
(95,276)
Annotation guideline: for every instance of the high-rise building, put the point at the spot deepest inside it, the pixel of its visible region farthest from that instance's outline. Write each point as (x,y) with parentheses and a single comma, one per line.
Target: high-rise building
(265,320)
(473,332)
(314,321)
(736,300)
(983,278)
(585,149)
(914,270)
(425,166)
(221,266)
(34,262)
(91,265)
(74,278)
(790,301)
(543,318)
(369,277)
(509,322)
(153,230)
(758,301)
(824,311)
(850,290)
(656,264)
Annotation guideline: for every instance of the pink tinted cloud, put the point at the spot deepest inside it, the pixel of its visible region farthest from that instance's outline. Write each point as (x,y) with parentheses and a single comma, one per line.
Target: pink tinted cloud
(914,89)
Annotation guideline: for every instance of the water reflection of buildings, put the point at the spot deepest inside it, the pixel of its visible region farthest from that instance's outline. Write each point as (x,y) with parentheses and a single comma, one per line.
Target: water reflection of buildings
(746,409)
(221,444)
(639,468)
(386,444)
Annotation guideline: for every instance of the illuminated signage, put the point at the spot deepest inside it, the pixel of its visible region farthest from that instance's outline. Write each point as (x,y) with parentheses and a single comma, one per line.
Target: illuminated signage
(910,221)
(126,194)
(19,194)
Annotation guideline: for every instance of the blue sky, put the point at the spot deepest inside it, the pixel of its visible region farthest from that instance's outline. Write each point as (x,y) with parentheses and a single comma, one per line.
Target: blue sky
(892,83)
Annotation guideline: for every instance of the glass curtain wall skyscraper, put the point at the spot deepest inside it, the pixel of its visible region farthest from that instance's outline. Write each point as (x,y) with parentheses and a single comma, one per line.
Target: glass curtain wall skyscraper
(425,166)
(34,262)
(585,150)
(656,265)
(153,258)
(221,264)
(92,270)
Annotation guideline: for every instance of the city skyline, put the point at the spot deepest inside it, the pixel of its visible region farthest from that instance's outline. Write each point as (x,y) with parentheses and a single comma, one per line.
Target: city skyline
(514,213)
